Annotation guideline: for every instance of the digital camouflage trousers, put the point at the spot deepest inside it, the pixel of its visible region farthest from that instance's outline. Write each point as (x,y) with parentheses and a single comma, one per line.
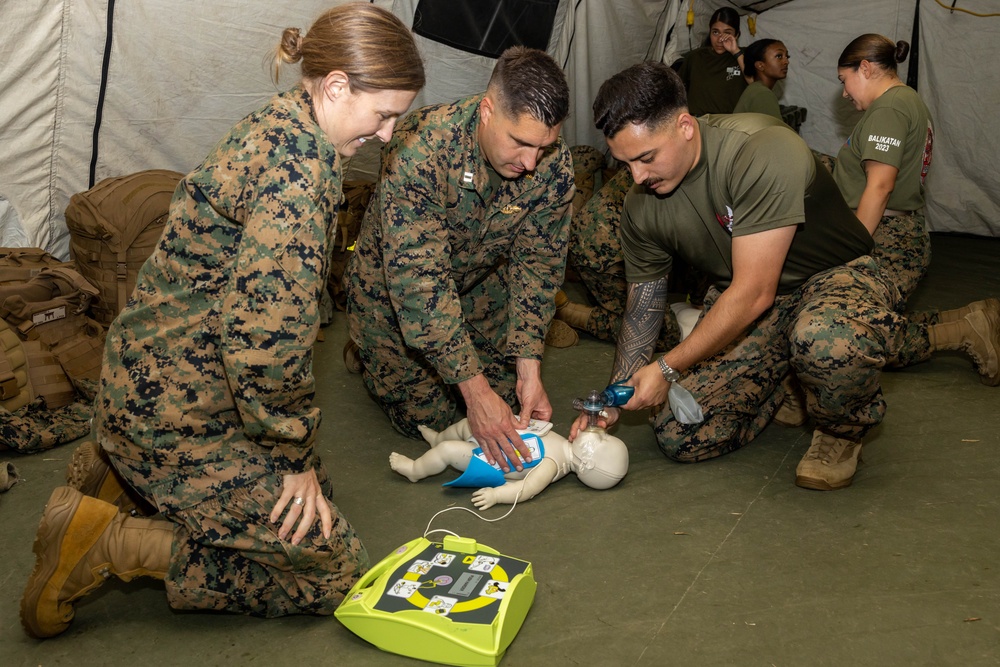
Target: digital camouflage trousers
(227,555)
(403,381)
(836,332)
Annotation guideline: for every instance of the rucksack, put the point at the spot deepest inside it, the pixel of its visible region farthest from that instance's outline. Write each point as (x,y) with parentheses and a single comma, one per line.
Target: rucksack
(19,265)
(59,343)
(114,227)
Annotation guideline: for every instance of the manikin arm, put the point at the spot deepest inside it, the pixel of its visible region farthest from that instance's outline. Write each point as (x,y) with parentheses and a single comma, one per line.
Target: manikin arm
(530,486)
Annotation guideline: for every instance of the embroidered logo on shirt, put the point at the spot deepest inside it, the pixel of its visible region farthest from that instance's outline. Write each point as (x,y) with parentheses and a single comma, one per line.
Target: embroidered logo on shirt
(726,220)
(509,209)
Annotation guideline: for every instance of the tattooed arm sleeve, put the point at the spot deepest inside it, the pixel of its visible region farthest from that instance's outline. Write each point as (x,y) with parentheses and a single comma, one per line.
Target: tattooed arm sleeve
(644,309)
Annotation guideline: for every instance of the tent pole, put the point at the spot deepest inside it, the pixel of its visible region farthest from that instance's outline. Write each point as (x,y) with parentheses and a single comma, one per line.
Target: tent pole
(911,73)
(105,65)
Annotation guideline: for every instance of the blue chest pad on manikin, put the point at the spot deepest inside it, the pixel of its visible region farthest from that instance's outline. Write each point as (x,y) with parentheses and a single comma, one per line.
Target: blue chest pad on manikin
(479,473)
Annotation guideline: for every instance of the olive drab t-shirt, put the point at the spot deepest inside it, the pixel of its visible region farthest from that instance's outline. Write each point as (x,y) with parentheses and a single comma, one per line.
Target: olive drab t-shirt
(896,129)
(714,81)
(754,174)
(758,98)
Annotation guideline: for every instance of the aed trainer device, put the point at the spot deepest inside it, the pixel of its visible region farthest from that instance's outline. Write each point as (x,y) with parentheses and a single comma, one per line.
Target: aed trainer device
(453,602)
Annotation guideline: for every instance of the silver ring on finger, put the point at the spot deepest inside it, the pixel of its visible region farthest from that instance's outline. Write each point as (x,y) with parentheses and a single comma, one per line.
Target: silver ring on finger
(299,500)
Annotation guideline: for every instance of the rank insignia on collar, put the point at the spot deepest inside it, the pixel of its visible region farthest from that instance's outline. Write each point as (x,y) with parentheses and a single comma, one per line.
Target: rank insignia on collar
(467,177)
(509,209)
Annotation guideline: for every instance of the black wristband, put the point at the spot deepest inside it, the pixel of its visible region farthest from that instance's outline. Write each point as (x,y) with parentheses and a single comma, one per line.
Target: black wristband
(738,53)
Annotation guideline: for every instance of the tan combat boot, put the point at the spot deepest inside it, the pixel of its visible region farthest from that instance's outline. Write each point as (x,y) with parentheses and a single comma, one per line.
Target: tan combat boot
(792,411)
(561,334)
(90,472)
(573,314)
(352,357)
(81,542)
(830,463)
(959,313)
(977,333)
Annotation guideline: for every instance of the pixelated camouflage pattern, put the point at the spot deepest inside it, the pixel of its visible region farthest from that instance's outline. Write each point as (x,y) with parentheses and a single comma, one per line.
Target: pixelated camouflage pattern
(206,393)
(587,161)
(837,332)
(595,254)
(450,278)
(34,428)
(903,251)
(902,247)
(208,370)
(227,555)
(357,194)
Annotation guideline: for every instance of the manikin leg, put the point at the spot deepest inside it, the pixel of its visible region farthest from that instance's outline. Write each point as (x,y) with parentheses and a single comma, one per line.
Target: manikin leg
(454,453)
(460,430)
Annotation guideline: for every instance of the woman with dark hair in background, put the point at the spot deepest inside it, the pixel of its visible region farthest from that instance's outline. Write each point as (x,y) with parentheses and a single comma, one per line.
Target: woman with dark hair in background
(881,168)
(766,61)
(713,74)
(880,172)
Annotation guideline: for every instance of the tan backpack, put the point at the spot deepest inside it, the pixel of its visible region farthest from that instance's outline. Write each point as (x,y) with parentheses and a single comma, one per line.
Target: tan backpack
(19,265)
(114,227)
(59,344)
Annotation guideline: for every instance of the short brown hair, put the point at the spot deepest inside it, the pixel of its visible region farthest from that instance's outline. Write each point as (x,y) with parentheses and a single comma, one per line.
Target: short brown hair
(369,44)
(529,81)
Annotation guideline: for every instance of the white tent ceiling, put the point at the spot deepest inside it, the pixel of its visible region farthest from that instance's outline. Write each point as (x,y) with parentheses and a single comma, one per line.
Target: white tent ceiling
(180,74)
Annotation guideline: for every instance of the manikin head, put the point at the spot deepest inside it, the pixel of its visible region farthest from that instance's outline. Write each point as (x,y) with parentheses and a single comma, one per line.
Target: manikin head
(599,460)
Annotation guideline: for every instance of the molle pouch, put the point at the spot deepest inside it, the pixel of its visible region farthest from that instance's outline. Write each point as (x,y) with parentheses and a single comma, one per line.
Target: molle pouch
(19,265)
(81,352)
(48,380)
(15,385)
(114,227)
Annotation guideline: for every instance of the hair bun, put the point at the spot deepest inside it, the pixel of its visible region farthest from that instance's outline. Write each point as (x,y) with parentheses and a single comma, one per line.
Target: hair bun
(902,50)
(290,49)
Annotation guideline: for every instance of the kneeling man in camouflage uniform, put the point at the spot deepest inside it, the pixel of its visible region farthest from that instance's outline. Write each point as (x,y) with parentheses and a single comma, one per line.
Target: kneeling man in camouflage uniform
(743,199)
(463,247)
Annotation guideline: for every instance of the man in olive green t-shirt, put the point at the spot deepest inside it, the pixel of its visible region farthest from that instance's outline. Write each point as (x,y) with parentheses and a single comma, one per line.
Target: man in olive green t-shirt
(743,199)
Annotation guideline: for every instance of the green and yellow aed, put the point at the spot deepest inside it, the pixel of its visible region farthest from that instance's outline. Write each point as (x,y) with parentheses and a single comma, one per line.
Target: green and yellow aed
(453,602)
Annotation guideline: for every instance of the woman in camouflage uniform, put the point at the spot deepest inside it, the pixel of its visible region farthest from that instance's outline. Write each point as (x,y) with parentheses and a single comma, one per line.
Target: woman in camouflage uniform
(206,406)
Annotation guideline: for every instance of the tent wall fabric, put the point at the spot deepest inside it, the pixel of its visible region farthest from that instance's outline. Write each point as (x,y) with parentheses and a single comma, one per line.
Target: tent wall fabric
(955,80)
(181,76)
